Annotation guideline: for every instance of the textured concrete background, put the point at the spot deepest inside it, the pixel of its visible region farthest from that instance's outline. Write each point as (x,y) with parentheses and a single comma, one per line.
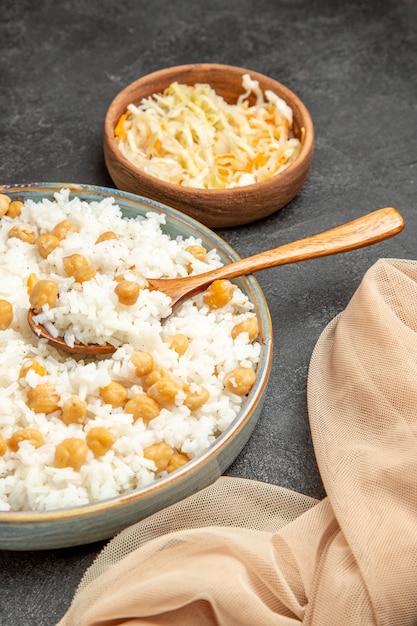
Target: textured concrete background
(355,67)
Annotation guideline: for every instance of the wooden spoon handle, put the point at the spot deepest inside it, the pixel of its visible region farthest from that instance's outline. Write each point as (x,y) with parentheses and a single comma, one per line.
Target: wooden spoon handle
(363,231)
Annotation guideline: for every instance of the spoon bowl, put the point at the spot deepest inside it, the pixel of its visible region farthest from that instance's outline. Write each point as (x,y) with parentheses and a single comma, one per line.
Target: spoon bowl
(363,231)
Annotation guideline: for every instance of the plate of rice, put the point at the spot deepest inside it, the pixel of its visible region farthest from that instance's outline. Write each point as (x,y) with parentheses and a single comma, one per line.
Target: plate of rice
(92,444)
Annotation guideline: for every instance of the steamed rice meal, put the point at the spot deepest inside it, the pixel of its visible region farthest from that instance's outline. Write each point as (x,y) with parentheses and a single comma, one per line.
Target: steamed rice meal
(189,135)
(75,430)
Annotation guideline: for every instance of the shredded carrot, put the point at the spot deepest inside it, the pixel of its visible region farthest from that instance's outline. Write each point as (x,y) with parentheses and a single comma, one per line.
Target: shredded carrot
(157,147)
(120,130)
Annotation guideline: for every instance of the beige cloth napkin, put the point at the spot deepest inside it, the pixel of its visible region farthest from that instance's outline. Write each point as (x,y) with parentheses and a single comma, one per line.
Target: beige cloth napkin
(244,553)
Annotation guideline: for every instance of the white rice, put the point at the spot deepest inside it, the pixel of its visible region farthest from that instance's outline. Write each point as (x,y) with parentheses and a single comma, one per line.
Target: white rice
(28,478)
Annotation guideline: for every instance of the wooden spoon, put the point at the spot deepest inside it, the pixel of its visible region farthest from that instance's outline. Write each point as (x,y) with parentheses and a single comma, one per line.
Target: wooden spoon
(364,231)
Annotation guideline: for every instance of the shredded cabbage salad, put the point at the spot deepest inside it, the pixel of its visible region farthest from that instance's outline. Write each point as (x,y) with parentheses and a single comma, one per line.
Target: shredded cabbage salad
(189,135)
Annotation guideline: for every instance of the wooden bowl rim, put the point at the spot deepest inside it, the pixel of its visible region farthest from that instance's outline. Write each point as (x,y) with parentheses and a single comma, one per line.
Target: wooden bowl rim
(171,73)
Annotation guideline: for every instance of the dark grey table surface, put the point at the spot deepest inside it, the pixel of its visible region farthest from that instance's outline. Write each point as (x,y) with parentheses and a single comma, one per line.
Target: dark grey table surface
(354,64)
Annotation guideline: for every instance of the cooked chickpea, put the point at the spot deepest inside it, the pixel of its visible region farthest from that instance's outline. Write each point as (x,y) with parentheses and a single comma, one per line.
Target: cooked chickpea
(240,380)
(127,291)
(62,229)
(99,439)
(250,326)
(43,398)
(73,262)
(177,460)
(152,377)
(44,292)
(143,362)
(108,235)
(160,454)
(24,233)
(197,251)
(32,365)
(164,391)
(32,435)
(6,314)
(195,399)
(46,243)
(74,410)
(83,274)
(3,445)
(71,452)
(4,204)
(141,406)
(219,294)
(114,393)
(15,208)
(31,281)
(178,342)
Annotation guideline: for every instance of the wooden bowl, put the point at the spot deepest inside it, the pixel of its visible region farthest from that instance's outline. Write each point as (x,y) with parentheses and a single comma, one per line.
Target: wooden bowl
(213,207)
